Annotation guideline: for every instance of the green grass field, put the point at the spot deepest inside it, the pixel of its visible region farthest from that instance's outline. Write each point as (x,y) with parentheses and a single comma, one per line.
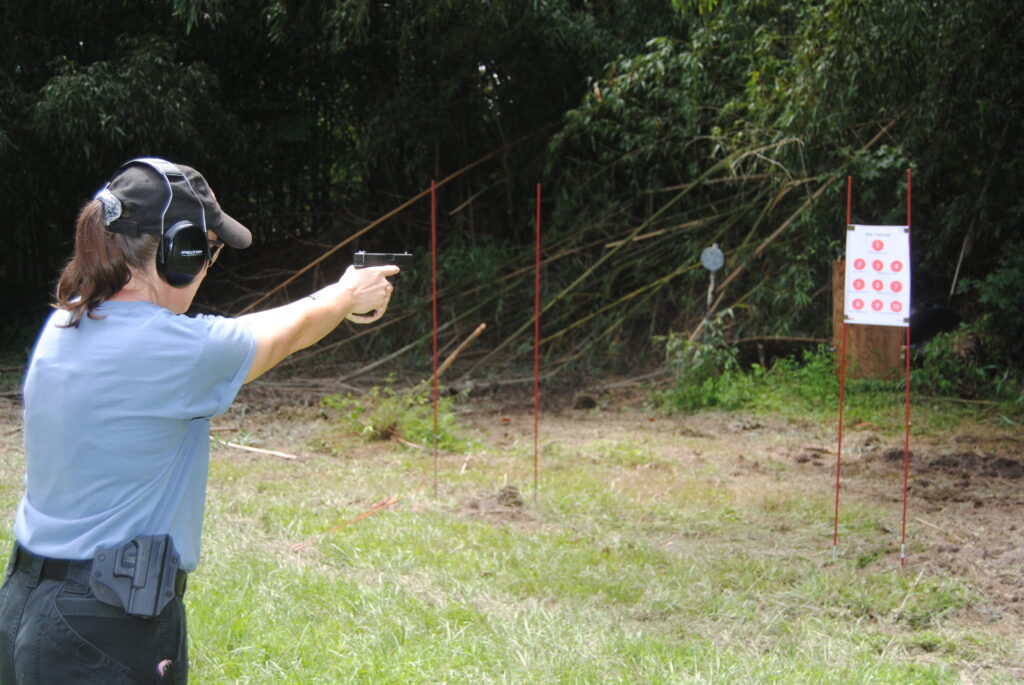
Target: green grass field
(631,565)
(626,568)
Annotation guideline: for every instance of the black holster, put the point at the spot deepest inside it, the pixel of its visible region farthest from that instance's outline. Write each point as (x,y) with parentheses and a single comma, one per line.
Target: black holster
(138,576)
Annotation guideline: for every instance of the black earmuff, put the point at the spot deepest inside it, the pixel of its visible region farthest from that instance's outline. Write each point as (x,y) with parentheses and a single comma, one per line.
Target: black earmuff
(184,251)
(184,248)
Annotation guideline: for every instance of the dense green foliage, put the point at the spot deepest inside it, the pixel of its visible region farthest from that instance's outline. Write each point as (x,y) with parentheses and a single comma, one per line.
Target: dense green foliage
(706,375)
(772,99)
(657,128)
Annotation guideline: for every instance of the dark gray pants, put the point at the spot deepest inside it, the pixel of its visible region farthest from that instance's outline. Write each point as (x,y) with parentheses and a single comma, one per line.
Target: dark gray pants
(53,630)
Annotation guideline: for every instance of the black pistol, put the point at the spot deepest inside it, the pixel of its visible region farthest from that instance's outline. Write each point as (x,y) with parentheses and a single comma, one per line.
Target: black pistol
(364,259)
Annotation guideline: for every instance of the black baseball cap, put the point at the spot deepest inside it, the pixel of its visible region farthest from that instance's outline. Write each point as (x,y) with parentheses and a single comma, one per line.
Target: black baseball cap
(149,195)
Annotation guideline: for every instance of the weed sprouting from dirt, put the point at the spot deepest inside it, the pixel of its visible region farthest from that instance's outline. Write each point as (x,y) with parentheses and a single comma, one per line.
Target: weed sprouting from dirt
(386,413)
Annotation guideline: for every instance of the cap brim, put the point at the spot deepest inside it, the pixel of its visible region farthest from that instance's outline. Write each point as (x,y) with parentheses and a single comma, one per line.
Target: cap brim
(233,233)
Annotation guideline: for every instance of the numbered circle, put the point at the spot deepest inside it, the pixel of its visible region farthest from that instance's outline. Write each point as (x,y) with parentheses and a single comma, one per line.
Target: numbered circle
(859,264)
(877,245)
(878,265)
(858,304)
(858,284)
(877,284)
(896,306)
(877,305)
(897,286)
(897,266)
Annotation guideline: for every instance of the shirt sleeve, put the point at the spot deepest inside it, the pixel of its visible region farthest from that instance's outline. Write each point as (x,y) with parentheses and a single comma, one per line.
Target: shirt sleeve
(221,366)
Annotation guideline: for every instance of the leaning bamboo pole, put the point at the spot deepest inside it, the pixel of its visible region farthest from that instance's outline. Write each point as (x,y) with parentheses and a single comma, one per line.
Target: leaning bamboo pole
(394,212)
(725,162)
(829,181)
(652,285)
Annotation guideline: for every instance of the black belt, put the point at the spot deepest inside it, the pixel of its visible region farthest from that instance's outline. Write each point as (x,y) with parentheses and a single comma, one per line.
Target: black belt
(69,569)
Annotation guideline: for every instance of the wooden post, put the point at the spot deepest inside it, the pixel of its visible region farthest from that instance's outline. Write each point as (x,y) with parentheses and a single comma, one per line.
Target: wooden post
(874,352)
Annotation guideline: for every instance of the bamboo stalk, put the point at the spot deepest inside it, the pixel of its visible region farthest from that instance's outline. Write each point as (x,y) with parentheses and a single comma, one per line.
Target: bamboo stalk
(451,358)
(397,210)
(496,293)
(404,349)
(759,250)
(715,181)
(764,244)
(625,298)
(465,343)
(723,163)
(655,284)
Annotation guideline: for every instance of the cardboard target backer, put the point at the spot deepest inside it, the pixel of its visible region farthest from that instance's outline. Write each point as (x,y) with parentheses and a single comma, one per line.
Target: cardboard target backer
(877,275)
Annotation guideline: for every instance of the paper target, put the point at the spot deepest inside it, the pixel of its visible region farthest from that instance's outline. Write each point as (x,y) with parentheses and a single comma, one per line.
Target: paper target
(877,289)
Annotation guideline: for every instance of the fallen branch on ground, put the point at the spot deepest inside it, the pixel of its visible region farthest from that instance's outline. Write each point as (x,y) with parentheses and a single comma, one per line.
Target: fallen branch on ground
(257,450)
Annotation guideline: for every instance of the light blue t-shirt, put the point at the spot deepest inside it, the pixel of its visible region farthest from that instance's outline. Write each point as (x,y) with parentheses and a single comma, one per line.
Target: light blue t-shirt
(117,427)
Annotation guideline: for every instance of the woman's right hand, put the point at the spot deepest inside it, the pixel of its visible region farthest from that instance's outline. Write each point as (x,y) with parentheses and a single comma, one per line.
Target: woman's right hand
(369,291)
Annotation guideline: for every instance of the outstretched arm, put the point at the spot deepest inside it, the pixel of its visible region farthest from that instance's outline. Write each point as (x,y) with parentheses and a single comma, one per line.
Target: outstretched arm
(281,331)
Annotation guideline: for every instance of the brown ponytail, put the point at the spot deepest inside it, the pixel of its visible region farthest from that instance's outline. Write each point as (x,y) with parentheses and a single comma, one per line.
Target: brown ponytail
(100,265)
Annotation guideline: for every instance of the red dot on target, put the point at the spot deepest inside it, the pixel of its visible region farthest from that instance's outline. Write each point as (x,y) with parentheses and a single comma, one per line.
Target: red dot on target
(858,284)
(859,264)
(877,285)
(877,305)
(877,245)
(897,286)
(877,265)
(897,266)
(896,306)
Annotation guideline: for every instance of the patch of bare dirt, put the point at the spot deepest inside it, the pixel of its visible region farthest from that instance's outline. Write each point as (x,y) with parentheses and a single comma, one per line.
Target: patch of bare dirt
(506,505)
(965,488)
(965,492)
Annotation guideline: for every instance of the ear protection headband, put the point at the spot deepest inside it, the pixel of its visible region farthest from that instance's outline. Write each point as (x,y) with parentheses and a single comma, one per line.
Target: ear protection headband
(184,248)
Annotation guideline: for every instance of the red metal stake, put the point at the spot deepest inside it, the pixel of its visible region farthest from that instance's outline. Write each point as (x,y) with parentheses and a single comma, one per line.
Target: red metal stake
(842,389)
(839,447)
(536,358)
(433,267)
(906,420)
